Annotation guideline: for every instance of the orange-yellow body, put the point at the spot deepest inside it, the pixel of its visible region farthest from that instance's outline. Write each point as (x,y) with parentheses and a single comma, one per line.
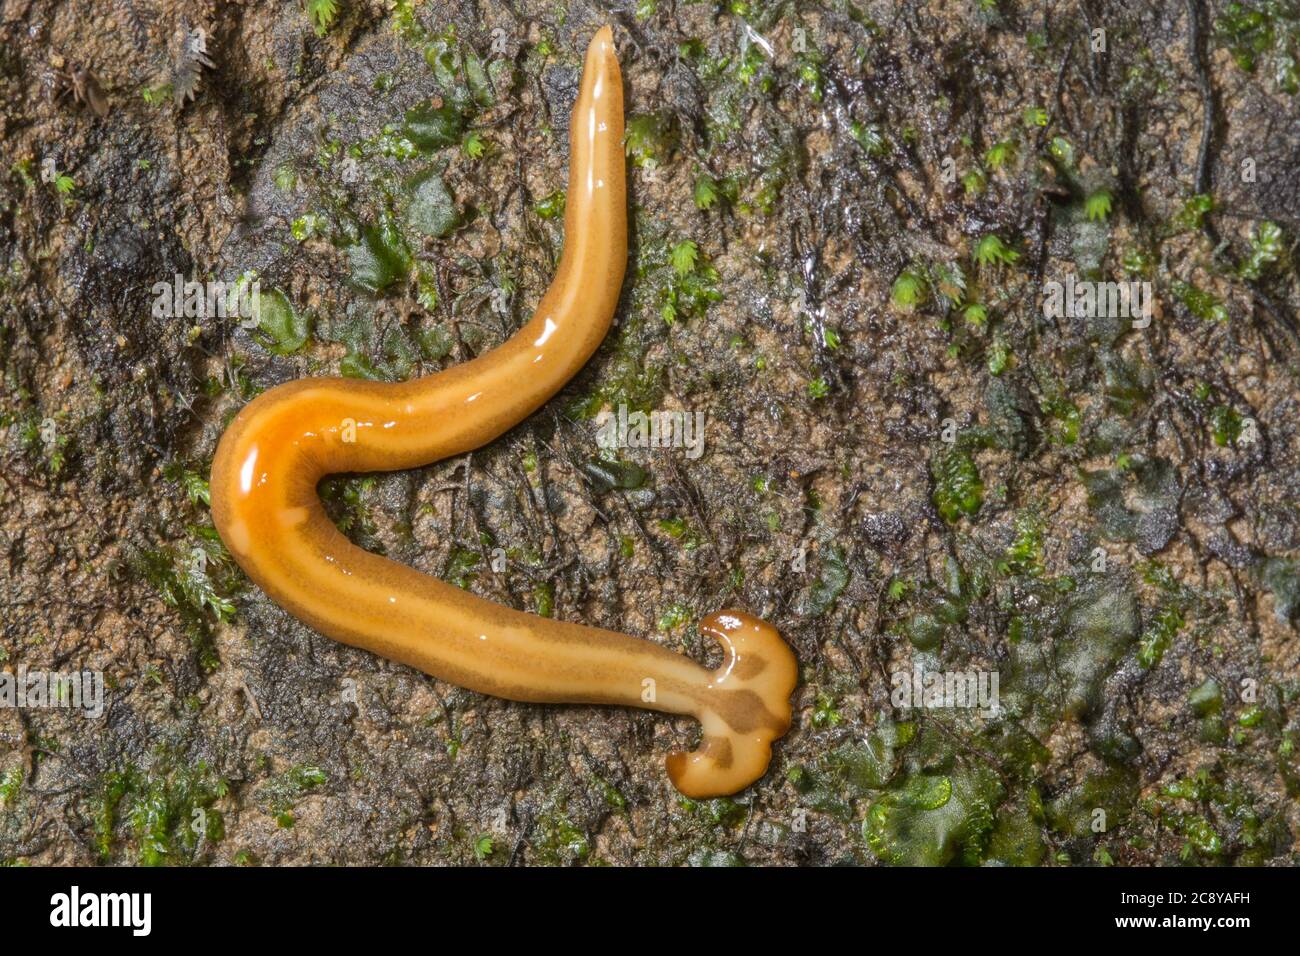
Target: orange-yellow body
(266,508)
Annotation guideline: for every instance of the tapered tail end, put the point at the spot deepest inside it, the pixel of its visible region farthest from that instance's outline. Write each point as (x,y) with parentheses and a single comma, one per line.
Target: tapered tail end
(600,51)
(747,707)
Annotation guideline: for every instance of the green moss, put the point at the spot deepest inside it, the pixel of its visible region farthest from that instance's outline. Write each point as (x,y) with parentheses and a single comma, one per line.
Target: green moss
(1158,635)
(910,288)
(42,437)
(1251,716)
(1282,577)
(1219,821)
(322,13)
(613,798)
(1098,804)
(380,258)
(824,712)
(1016,839)
(1204,305)
(11,783)
(976,314)
(722,812)
(285,177)
(832,579)
(1200,834)
(432,128)
(690,287)
(674,616)
(1226,425)
(607,474)
(280,794)
(1066,638)
(281,329)
(431,208)
(391,142)
(991,250)
(673,527)
(544,599)
(650,138)
(113,788)
(1097,206)
(1267,32)
(937,610)
(869,137)
(958,489)
(557,841)
(860,769)
(390,351)
(1034,117)
(465,80)
(166,809)
(551,206)
(627,379)
(308,226)
(1100,623)
(1266,249)
(1000,154)
(345,499)
(999,356)
(1065,418)
(1192,215)
(809,66)
(462,567)
(475,146)
(705,193)
(1025,554)
(751,66)
(194,484)
(1206,700)
(818,793)
(684,255)
(197,578)
(932,819)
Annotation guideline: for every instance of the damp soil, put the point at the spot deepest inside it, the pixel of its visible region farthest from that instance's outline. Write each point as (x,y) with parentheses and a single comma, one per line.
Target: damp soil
(845,222)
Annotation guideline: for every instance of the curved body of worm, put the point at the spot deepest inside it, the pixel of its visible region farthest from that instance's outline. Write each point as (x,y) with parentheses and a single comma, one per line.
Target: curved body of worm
(266,508)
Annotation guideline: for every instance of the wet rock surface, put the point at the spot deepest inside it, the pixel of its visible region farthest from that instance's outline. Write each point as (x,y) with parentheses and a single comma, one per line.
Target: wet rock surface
(844,221)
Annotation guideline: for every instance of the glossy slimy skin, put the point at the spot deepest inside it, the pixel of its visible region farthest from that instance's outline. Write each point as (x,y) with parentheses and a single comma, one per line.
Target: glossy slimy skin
(266,508)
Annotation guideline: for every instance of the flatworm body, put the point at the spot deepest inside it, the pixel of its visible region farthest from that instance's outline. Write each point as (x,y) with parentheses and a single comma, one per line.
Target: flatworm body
(266,508)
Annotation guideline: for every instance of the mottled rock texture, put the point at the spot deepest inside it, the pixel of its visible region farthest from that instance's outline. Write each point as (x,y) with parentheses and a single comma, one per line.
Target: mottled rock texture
(845,216)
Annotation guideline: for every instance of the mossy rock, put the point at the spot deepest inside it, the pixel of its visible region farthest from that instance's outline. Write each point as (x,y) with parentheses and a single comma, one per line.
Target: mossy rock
(935,819)
(1016,840)
(1096,805)
(431,210)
